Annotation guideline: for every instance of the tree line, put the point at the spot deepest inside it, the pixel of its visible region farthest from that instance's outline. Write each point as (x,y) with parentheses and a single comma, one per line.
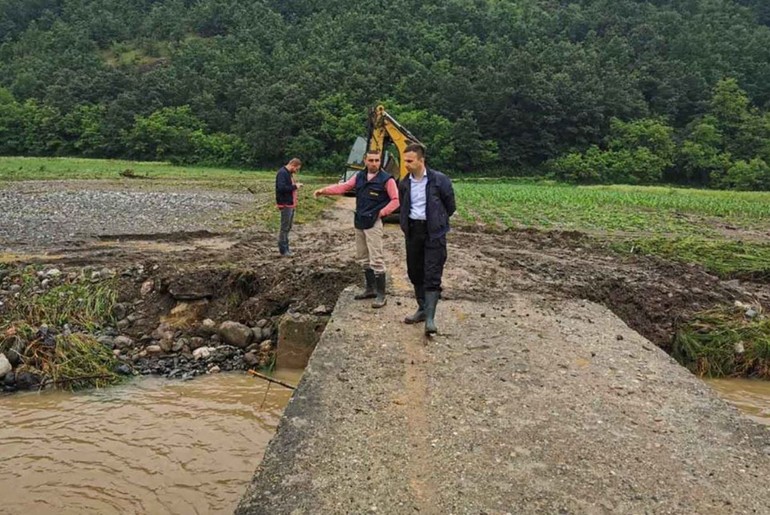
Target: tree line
(587,91)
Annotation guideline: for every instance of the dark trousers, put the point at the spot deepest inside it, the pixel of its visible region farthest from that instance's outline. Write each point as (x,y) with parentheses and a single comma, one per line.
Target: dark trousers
(287,218)
(425,257)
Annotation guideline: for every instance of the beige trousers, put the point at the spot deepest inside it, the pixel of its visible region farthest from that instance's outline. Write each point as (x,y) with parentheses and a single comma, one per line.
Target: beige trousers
(369,247)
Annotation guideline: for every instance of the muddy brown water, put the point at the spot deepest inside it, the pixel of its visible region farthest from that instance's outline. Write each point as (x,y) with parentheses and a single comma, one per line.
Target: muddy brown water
(149,446)
(752,397)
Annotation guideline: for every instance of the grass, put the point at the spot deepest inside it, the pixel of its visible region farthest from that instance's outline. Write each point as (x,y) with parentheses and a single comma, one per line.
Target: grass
(724,342)
(80,304)
(611,209)
(716,229)
(68,359)
(73,362)
(724,258)
(46,168)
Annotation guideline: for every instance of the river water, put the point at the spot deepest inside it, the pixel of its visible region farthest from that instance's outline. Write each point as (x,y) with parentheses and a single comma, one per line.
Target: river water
(166,447)
(752,397)
(149,446)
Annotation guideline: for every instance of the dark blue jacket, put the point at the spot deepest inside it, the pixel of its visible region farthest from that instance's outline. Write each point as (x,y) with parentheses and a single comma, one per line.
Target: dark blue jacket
(371,197)
(284,188)
(439,206)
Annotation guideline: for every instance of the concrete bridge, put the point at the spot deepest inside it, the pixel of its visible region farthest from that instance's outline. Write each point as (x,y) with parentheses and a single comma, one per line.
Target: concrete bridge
(524,405)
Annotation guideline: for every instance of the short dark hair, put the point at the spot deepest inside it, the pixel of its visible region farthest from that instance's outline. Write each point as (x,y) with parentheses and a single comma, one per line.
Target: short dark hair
(373,152)
(417,148)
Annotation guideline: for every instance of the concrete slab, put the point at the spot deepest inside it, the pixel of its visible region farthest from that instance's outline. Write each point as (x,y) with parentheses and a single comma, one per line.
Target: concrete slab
(530,405)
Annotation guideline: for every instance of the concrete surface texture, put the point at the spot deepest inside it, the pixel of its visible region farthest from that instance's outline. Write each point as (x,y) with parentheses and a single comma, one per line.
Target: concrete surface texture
(524,406)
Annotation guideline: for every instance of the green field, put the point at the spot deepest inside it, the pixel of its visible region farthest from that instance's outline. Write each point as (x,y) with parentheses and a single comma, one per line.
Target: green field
(725,231)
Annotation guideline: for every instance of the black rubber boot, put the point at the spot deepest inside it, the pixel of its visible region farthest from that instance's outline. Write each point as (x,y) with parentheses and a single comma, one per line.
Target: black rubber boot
(419,315)
(380,280)
(368,292)
(431,299)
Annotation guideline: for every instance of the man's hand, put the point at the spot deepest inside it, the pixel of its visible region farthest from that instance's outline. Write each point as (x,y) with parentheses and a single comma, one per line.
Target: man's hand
(318,192)
(299,185)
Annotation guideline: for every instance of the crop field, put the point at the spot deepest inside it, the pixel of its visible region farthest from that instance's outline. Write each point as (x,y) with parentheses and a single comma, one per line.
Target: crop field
(724,231)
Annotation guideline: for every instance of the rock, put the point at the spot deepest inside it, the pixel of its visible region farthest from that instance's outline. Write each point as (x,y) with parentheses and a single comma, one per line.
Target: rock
(265,346)
(215,338)
(147,287)
(123,324)
(197,342)
(123,370)
(16,351)
(267,332)
(297,338)
(166,345)
(27,381)
(208,327)
(320,310)
(251,359)
(738,347)
(119,311)
(179,344)
(751,313)
(262,323)
(107,341)
(10,380)
(107,273)
(45,283)
(123,342)
(54,272)
(116,353)
(153,349)
(235,334)
(163,332)
(14,288)
(253,346)
(257,332)
(190,291)
(214,370)
(5,365)
(202,352)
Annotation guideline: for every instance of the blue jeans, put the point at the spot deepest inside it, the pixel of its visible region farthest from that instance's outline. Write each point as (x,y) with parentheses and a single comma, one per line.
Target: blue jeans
(287,219)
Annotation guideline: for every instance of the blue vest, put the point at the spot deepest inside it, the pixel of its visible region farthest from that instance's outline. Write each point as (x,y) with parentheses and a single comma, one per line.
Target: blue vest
(371,197)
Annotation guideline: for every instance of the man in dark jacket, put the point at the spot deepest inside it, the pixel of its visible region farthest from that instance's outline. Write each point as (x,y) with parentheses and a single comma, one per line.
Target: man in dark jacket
(286,187)
(376,198)
(427,201)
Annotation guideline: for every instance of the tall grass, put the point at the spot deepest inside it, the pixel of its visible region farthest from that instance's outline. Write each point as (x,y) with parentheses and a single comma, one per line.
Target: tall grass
(723,342)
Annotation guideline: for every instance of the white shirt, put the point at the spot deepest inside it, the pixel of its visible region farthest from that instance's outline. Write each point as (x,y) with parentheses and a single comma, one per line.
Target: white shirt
(418,198)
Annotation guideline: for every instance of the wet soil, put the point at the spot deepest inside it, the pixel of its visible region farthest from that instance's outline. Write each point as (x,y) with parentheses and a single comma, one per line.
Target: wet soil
(242,278)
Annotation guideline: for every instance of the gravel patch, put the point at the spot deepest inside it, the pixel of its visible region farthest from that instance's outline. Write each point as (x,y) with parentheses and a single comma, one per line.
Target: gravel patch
(40,214)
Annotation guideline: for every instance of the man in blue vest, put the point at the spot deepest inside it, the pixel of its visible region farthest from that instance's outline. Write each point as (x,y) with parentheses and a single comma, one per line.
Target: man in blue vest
(376,198)
(427,201)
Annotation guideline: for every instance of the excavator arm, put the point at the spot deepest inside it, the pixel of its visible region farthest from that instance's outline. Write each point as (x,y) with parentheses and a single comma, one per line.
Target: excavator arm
(384,131)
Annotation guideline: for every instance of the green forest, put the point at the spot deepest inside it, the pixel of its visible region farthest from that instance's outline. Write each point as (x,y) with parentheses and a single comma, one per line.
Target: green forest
(585,91)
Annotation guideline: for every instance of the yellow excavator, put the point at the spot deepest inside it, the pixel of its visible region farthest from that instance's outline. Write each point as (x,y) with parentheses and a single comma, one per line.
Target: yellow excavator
(386,136)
